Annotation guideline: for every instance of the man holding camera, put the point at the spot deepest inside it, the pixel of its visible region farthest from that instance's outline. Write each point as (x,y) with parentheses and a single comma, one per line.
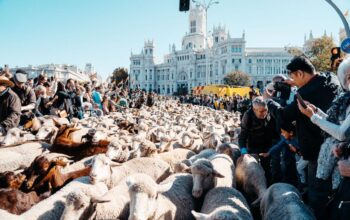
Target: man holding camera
(319,89)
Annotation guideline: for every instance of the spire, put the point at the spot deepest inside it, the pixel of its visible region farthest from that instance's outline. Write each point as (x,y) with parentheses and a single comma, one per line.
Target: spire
(325,33)
(311,35)
(304,38)
(243,35)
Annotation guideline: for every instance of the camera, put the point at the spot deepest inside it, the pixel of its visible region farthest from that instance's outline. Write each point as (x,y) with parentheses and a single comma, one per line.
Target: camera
(282,89)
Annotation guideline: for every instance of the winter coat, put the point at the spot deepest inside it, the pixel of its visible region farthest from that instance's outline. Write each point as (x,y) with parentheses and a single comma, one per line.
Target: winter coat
(320,91)
(10,110)
(258,135)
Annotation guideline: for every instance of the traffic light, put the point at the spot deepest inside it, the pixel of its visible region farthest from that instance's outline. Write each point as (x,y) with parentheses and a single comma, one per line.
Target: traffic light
(184,5)
(335,51)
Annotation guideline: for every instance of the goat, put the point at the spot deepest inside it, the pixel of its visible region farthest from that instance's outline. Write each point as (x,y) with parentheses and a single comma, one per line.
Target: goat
(11,180)
(63,144)
(56,179)
(17,202)
(38,169)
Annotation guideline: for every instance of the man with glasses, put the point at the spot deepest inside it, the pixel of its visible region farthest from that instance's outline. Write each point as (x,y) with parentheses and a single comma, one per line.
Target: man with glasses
(25,93)
(319,89)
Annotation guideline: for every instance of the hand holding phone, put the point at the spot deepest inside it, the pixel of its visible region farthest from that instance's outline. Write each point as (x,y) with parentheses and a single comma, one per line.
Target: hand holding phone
(301,100)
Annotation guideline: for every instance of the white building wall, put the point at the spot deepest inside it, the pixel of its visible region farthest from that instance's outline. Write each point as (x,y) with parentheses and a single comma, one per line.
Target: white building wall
(194,66)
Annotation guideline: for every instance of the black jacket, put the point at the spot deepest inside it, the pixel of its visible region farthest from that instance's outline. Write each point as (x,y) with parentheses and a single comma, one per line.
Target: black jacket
(10,110)
(258,135)
(320,91)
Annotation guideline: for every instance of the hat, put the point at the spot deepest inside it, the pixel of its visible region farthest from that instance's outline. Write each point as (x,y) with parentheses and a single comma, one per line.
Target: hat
(5,81)
(21,77)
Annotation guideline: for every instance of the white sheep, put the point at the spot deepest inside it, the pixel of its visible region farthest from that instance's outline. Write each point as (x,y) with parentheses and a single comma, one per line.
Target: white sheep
(112,205)
(52,207)
(175,156)
(170,199)
(224,203)
(20,156)
(192,142)
(185,164)
(15,136)
(218,170)
(104,170)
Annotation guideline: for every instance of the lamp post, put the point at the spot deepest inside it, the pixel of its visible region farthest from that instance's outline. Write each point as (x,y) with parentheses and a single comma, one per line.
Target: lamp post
(342,17)
(206,7)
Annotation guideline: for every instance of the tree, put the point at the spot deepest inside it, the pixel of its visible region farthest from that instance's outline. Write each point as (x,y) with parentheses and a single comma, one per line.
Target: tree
(320,53)
(237,78)
(119,74)
(294,51)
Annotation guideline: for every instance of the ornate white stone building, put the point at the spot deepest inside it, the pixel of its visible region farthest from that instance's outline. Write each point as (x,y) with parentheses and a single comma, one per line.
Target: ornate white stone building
(62,71)
(204,59)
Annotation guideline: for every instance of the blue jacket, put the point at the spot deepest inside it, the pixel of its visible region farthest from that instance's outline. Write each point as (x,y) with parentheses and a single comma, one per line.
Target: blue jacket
(276,149)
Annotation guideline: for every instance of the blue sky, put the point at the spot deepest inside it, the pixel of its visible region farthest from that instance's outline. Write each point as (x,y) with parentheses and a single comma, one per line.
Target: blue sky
(104,32)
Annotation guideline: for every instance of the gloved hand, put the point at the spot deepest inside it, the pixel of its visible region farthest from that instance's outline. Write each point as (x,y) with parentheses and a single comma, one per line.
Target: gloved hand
(244,150)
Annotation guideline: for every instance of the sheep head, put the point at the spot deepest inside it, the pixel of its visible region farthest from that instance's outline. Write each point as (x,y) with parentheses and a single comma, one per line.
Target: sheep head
(117,151)
(143,191)
(204,175)
(101,169)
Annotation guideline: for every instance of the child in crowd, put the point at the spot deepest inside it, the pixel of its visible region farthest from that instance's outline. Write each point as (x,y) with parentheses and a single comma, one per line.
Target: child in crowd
(288,146)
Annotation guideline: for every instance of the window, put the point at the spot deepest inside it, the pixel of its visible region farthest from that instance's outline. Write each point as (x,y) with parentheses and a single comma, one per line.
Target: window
(146,77)
(240,60)
(236,67)
(150,51)
(216,39)
(233,60)
(250,61)
(191,75)
(193,27)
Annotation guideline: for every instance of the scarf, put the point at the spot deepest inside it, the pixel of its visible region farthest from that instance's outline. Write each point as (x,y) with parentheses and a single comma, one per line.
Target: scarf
(337,111)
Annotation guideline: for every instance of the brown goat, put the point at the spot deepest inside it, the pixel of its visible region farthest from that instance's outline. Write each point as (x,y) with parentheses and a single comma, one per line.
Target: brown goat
(38,170)
(11,180)
(63,144)
(17,202)
(56,179)
(81,150)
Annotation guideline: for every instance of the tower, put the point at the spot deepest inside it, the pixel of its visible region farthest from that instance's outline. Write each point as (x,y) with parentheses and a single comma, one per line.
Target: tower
(197,22)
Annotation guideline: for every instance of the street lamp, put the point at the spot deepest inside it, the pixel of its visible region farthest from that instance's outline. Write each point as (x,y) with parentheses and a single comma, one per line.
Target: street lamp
(342,17)
(206,7)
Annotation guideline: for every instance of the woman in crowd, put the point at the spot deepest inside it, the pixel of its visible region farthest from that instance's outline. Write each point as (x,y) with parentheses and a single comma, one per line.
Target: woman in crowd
(336,124)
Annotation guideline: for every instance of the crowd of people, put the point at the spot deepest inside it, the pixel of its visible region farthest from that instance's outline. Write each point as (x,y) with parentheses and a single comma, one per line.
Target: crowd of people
(302,141)
(231,104)
(305,142)
(22,98)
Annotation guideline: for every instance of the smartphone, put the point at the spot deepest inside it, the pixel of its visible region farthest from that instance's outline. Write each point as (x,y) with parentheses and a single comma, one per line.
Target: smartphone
(301,100)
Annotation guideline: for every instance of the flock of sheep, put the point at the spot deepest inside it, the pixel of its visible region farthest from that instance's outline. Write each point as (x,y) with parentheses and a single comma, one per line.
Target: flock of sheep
(169,161)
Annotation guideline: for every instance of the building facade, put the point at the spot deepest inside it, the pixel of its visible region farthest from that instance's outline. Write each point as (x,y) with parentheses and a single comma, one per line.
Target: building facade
(204,59)
(63,72)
